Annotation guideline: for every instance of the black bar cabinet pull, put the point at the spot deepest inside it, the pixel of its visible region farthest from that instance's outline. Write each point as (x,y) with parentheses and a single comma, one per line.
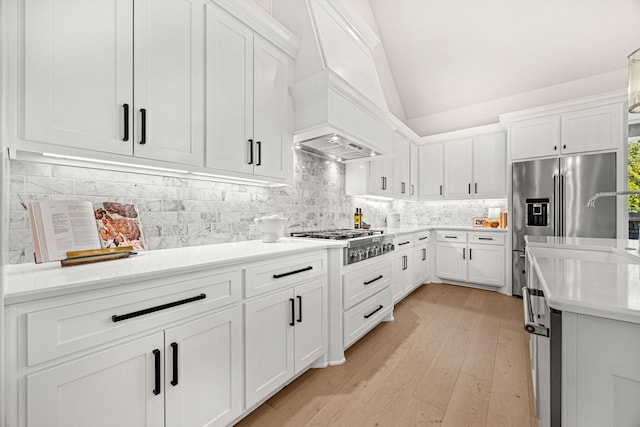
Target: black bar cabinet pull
(174,351)
(485,238)
(259,145)
(424,254)
(373,280)
(156,361)
(250,141)
(120,317)
(143,127)
(278,276)
(464,253)
(469,188)
(366,316)
(476,187)
(451,237)
(423,238)
(293,309)
(413,189)
(404,243)
(299,297)
(441,189)
(470,258)
(125,109)
(403,187)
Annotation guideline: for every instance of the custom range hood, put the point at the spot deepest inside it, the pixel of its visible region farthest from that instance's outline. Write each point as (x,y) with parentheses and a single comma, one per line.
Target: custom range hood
(340,108)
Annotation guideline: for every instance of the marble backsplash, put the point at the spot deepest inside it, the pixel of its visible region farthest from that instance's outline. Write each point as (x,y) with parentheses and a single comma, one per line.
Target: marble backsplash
(179,212)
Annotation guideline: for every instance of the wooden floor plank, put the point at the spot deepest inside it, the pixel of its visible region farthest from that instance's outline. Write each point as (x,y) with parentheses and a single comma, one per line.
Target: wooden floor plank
(453,356)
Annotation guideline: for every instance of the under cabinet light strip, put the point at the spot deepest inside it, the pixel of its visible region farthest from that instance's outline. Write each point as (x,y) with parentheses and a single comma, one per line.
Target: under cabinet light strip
(109,162)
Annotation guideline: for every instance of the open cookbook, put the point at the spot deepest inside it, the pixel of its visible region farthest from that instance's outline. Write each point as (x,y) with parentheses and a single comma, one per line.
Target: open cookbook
(60,227)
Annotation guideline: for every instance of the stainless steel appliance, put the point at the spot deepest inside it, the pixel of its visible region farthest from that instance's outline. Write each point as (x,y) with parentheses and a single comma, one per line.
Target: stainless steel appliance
(545,326)
(550,198)
(361,244)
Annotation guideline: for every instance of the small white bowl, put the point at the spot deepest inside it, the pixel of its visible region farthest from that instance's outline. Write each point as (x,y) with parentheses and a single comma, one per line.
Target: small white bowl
(271,227)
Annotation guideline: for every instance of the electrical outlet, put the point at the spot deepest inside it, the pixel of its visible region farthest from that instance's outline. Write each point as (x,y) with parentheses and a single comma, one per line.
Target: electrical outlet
(253,229)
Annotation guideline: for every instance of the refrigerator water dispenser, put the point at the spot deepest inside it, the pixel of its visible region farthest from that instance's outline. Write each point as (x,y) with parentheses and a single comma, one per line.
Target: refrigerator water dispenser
(537,212)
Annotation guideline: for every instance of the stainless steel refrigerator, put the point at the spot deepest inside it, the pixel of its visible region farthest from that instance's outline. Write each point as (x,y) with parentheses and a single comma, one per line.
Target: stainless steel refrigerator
(550,198)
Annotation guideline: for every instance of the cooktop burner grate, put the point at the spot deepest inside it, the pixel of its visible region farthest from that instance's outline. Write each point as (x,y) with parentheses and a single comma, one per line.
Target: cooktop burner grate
(336,234)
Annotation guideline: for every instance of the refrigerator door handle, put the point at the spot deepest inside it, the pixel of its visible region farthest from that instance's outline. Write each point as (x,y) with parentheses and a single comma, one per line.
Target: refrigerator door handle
(555,210)
(562,207)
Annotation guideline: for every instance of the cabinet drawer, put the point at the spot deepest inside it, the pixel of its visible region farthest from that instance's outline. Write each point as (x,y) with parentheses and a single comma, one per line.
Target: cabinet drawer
(487,238)
(404,241)
(422,237)
(360,284)
(71,327)
(285,272)
(451,236)
(364,316)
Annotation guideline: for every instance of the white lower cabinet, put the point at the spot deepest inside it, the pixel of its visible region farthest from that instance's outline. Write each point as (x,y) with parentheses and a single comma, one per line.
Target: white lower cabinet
(486,264)
(203,370)
(285,333)
(402,267)
(192,373)
(451,261)
(421,259)
(113,387)
(482,263)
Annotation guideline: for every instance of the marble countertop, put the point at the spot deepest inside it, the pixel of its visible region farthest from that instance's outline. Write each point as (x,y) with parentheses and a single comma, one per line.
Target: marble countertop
(418,228)
(34,281)
(597,277)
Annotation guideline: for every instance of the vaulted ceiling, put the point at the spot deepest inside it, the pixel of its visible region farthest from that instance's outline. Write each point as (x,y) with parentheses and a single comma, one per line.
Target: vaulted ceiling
(460,63)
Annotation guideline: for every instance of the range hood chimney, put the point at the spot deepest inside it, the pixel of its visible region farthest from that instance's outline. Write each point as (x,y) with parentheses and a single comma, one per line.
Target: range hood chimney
(340,107)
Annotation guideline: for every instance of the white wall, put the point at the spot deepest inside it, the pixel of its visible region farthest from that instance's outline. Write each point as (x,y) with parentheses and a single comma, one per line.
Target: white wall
(488,112)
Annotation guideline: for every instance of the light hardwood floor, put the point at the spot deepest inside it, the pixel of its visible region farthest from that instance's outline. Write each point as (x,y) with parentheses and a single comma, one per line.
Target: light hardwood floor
(454,356)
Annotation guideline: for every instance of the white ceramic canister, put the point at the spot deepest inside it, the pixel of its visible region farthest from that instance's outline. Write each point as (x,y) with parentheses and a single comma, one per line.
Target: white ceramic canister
(393,220)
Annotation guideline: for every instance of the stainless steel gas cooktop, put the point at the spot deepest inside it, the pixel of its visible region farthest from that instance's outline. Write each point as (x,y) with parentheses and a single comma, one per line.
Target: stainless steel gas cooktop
(361,244)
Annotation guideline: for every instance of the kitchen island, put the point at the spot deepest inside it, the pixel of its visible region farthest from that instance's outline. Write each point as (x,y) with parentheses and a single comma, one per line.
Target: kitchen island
(595,285)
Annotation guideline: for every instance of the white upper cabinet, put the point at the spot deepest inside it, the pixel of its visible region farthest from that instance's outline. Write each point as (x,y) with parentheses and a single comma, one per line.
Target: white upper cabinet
(578,126)
(431,174)
(247,99)
(597,128)
(79,91)
(401,167)
(473,166)
(76,87)
(458,173)
(535,137)
(381,177)
(169,80)
(489,166)
(414,187)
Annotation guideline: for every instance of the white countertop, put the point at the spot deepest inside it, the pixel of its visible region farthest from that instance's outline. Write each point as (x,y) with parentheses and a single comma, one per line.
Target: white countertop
(597,277)
(418,228)
(34,281)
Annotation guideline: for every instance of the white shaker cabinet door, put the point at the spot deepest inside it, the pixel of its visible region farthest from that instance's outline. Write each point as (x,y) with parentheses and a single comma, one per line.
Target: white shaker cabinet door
(114,387)
(270,109)
(78,73)
(486,264)
(229,92)
(413,188)
(451,261)
(203,370)
(311,323)
(169,80)
(535,137)
(401,167)
(458,173)
(431,175)
(269,335)
(489,166)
